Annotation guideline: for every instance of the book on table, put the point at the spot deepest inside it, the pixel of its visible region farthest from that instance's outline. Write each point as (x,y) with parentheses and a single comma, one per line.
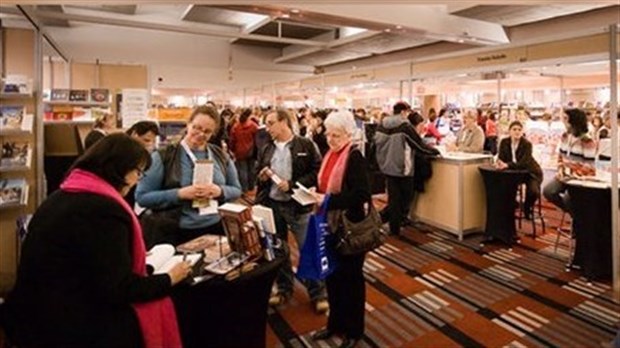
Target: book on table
(161,258)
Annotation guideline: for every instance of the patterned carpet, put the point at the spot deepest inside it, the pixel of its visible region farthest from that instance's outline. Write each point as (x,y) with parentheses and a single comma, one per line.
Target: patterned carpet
(427,289)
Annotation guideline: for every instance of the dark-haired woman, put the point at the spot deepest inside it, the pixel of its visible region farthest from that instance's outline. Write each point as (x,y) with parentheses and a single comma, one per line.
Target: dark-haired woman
(241,144)
(168,188)
(82,278)
(515,152)
(577,154)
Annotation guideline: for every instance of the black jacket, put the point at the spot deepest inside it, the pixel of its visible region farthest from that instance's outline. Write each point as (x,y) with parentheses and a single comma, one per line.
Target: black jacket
(74,283)
(525,160)
(355,189)
(306,163)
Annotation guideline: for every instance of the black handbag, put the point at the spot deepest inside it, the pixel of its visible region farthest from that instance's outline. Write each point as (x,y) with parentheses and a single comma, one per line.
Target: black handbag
(363,236)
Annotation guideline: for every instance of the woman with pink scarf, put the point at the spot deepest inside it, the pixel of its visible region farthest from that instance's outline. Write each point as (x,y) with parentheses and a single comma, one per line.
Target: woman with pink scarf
(82,278)
(344,176)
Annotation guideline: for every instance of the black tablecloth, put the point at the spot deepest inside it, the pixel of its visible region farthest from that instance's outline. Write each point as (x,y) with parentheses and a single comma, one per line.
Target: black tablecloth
(591,212)
(221,313)
(501,189)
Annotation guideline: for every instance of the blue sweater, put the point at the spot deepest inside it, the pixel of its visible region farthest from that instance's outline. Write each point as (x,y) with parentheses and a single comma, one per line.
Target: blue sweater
(150,194)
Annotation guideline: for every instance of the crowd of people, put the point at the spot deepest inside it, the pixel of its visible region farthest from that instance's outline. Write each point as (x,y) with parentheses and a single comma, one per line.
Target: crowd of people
(84,252)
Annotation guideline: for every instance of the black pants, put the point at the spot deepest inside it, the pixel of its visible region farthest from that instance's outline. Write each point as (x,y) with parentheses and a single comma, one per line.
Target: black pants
(346,294)
(532,193)
(400,193)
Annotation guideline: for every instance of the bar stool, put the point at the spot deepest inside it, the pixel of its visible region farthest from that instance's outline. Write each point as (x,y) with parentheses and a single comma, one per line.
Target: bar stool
(536,211)
(568,233)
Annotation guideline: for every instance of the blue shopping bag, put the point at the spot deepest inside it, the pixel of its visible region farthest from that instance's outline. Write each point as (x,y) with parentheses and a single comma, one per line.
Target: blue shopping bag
(316,257)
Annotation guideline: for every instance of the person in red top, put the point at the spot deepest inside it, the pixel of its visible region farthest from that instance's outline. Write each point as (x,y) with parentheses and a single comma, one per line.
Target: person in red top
(490,132)
(431,128)
(242,145)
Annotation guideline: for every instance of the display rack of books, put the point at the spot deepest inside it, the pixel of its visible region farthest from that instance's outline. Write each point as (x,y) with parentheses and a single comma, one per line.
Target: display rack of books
(16,137)
(75,105)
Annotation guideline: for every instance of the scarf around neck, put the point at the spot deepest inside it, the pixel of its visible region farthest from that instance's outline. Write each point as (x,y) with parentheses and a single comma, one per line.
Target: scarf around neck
(157,318)
(334,183)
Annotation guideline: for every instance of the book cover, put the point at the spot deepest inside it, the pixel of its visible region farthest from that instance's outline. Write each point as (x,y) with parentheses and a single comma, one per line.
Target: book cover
(81,113)
(11,117)
(59,95)
(100,95)
(16,84)
(78,95)
(199,244)
(62,113)
(15,155)
(13,192)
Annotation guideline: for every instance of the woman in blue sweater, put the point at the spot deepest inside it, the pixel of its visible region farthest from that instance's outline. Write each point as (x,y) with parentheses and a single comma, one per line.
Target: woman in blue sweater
(168,190)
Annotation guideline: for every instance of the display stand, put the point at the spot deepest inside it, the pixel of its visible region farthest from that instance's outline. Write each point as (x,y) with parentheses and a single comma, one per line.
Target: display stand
(19,169)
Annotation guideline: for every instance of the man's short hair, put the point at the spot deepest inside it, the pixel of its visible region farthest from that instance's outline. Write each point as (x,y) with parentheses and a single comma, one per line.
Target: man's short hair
(400,107)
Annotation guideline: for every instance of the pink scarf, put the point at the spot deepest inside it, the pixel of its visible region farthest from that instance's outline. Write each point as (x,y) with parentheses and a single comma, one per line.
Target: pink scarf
(157,318)
(334,183)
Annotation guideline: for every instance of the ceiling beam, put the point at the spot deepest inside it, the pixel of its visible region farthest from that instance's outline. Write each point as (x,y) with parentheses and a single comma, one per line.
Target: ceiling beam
(27,13)
(250,27)
(430,22)
(330,45)
(119,21)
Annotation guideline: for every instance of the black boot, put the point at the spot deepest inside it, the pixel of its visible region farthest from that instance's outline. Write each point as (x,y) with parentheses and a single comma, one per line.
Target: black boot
(348,343)
(322,334)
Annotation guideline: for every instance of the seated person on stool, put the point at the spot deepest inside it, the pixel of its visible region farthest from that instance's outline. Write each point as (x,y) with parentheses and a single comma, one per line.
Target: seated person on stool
(515,152)
(577,153)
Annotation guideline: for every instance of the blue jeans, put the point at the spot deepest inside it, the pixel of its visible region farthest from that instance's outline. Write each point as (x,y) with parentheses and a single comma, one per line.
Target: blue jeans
(286,216)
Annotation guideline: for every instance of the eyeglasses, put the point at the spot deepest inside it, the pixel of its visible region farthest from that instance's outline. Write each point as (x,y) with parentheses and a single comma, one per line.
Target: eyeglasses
(197,129)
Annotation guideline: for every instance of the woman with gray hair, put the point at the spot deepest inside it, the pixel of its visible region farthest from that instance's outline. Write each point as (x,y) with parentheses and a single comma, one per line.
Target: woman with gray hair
(344,176)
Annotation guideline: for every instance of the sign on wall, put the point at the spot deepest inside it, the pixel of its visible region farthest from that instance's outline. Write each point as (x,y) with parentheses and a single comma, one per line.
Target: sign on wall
(134,106)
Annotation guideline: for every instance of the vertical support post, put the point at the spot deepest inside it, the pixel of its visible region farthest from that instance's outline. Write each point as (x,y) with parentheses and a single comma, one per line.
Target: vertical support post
(613,101)
(38,116)
(324,96)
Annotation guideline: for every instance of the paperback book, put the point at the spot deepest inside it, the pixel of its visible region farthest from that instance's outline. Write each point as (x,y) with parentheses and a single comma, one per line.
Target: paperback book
(14,118)
(60,95)
(78,95)
(13,192)
(15,155)
(161,258)
(100,95)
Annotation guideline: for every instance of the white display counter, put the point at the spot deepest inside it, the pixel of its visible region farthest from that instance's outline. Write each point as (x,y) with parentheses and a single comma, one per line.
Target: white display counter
(454,198)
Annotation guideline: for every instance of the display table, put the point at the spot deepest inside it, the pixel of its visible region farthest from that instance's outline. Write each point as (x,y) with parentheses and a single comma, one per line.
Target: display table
(591,212)
(454,196)
(221,313)
(501,189)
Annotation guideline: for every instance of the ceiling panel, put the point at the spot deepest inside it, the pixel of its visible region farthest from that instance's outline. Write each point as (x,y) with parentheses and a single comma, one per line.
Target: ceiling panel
(383,43)
(53,22)
(122,9)
(327,57)
(290,30)
(213,15)
(260,43)
(511,15)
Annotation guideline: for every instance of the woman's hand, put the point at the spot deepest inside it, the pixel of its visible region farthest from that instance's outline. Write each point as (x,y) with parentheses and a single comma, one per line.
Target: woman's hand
(319,197)
(213,191)
(193,192)
(501,164)
(179,272)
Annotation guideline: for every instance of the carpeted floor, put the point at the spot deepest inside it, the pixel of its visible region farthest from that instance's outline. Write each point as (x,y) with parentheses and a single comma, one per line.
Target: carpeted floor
(427,289)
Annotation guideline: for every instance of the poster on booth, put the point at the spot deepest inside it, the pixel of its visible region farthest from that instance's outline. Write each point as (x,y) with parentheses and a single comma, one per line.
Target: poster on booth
(134,106)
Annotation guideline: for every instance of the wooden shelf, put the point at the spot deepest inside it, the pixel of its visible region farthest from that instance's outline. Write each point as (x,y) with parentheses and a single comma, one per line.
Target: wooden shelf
(46,122)
(15,96)
(76,103)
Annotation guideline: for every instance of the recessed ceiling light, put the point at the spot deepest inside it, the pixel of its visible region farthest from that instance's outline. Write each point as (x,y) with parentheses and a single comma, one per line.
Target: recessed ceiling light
(285,15)
(461,40)
(399,27)
(295,10)
(388,30)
